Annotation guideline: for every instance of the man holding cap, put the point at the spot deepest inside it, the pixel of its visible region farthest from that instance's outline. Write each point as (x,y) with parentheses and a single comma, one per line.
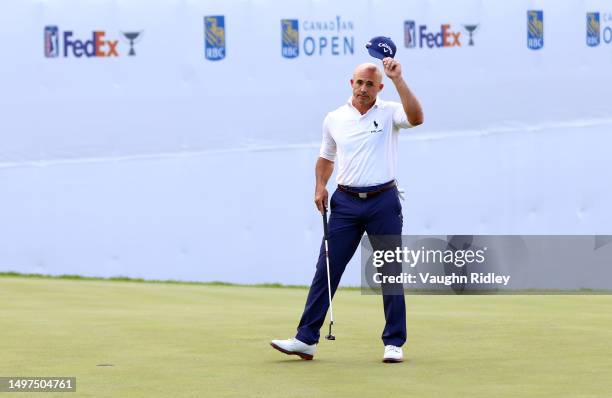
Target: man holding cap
(362,136)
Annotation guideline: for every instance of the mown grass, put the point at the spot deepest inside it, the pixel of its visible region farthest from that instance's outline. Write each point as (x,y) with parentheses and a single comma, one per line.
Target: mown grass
(202,340)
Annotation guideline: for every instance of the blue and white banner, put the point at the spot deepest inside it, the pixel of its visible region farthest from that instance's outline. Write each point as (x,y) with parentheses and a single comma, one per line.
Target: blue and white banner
(133,119)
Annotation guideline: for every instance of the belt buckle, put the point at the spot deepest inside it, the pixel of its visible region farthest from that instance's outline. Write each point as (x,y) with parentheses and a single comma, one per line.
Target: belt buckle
(363,195)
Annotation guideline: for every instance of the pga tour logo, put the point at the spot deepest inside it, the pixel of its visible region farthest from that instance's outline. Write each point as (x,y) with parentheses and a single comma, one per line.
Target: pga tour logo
(51,41)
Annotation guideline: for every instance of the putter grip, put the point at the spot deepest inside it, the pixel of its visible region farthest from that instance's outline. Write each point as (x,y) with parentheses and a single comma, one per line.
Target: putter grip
(325,223)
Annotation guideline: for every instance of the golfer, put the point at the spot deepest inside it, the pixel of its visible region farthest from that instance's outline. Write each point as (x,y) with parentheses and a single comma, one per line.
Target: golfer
(362,137)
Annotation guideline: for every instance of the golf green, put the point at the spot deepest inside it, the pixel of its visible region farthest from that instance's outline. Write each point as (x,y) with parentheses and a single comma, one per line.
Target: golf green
(180,340)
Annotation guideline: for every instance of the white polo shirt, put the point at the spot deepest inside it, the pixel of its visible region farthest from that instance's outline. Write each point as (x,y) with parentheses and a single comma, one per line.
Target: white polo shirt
(366,145)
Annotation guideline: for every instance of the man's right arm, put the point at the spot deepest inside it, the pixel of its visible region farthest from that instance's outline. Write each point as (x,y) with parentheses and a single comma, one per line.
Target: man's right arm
(323,170)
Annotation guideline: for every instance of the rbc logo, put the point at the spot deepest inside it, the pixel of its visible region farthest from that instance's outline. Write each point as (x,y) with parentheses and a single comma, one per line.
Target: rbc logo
(51,41)
(592,29)
(535,29)
(290,38)
(214,37)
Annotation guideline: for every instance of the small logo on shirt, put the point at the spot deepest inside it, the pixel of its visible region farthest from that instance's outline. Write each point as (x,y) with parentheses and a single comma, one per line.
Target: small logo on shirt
(376,129)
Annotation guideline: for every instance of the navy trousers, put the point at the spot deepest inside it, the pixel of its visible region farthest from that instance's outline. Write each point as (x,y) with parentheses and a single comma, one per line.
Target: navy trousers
(350,217)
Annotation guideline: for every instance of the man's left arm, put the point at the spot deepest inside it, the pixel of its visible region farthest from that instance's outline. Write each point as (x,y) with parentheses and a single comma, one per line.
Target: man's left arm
(410,103)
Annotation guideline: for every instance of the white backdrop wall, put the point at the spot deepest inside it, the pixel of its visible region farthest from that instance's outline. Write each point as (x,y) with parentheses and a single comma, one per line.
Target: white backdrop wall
(166,164)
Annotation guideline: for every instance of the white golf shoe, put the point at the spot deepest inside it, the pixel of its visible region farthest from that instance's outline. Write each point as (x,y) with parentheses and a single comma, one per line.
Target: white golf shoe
(295,347)
(393,354)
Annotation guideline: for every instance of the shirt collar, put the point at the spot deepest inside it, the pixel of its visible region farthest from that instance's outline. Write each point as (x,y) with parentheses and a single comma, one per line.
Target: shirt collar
(376,103)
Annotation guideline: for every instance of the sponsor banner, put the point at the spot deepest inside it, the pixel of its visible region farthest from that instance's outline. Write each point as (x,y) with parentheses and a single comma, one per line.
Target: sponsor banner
(444,35)
(66,44)
(497,120)
(598,28)
(317,37)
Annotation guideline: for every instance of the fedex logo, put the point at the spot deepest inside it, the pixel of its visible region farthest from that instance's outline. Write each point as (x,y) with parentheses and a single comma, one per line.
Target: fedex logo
(445,37)
(97,46)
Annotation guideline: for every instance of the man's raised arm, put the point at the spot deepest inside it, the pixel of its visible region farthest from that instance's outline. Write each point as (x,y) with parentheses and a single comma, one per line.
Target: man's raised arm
(410,103)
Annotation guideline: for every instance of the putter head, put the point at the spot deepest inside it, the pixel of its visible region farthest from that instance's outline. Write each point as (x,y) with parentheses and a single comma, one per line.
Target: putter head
(330,336)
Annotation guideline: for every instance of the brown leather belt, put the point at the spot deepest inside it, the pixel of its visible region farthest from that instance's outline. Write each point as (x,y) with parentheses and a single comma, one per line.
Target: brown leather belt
(365,195)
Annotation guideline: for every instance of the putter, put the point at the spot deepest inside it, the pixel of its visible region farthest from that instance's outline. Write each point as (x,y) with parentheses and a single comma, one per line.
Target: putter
(330,336)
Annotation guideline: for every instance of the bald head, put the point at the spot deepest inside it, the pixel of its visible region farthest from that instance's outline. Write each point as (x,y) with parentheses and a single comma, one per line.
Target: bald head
(366,84)
(369,70)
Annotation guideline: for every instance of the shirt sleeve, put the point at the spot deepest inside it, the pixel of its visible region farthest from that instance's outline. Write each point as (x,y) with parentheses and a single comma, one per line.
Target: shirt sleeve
(328,145)
(400,120)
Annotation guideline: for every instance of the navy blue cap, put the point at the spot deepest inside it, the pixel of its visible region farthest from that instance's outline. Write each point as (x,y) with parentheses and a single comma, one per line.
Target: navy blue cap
(381,47)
